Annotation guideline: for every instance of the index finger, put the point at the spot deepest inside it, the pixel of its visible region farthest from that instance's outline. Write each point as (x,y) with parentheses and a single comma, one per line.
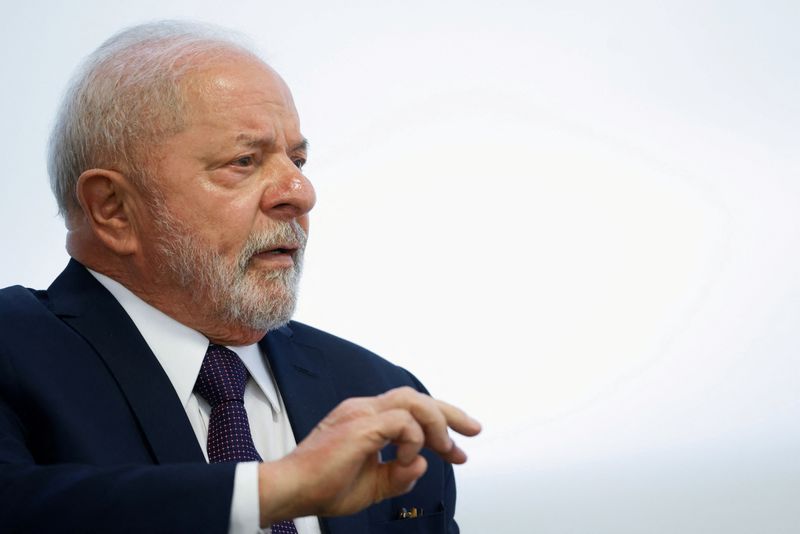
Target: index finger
(458,419)
(434,417)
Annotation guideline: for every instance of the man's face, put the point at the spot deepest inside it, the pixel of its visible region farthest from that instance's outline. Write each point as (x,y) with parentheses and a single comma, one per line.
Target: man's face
(230,223)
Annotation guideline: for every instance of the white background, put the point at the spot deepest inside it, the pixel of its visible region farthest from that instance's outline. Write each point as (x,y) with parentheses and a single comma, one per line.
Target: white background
(578,220)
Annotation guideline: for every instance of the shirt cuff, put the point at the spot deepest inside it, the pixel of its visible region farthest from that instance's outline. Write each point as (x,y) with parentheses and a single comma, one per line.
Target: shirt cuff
(245,513)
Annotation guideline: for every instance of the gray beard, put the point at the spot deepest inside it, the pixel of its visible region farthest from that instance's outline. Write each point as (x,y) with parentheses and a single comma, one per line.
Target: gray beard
(237,296)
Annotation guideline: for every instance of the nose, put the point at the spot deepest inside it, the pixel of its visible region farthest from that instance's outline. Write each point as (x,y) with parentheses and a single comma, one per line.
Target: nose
(290,195)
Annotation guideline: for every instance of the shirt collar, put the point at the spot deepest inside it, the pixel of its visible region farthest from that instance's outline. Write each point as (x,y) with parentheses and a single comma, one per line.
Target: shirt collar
(180,350)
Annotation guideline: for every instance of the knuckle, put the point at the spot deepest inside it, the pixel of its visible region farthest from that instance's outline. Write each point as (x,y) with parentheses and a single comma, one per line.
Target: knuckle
(355,405)
(349,410)
(348,404)
(408,391)
(403,392)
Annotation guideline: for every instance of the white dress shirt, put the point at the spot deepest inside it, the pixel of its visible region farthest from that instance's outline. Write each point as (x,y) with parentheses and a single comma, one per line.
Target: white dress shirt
(180,351)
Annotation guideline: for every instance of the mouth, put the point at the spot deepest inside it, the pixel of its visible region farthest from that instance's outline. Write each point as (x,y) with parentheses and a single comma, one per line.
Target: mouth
(279,250)
(281,255)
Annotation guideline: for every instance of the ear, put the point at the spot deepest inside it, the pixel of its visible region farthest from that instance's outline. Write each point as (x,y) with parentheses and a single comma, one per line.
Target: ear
(110,203)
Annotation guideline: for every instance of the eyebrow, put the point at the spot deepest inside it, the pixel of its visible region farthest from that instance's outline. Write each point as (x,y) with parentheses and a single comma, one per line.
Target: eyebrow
(252,141)
(302,146)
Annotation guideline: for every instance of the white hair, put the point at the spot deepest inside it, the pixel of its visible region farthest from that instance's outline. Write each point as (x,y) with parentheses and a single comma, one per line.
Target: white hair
(127,97)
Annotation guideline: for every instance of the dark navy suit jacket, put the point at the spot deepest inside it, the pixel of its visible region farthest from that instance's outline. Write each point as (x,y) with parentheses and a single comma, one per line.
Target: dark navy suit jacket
(93,437)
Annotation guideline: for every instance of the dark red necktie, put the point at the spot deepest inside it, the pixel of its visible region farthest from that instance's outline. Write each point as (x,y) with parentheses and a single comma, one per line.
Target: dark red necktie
(221,382)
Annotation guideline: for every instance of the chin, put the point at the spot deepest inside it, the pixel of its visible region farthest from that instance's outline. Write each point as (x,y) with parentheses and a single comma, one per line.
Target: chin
(262,311)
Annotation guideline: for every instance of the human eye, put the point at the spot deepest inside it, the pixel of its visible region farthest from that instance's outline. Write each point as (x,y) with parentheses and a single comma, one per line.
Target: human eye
(299,162)
(244,161)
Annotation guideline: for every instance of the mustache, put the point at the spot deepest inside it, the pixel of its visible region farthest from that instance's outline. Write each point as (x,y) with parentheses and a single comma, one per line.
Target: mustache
(283,235)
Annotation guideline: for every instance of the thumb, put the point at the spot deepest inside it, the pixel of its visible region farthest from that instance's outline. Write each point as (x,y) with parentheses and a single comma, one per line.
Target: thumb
(395,479)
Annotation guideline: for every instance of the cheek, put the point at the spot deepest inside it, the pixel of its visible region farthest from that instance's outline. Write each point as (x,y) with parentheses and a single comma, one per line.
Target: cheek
(231,223)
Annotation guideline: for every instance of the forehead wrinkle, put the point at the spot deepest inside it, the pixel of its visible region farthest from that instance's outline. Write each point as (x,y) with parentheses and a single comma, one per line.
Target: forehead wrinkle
(220,96)
(217,89)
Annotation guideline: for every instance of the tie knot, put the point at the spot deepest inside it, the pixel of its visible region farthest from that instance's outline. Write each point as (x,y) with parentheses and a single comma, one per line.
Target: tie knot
(222,377)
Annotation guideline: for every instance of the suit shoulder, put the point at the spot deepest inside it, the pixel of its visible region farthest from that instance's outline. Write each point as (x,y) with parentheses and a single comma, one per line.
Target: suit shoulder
(18,300)
(305,334)
(354,360)
(23,316)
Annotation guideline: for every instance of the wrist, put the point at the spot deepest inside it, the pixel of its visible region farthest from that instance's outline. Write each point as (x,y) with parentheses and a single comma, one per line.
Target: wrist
(280,493)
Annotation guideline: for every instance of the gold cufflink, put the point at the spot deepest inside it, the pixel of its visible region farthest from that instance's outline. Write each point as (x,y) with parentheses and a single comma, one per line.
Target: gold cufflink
(410,514)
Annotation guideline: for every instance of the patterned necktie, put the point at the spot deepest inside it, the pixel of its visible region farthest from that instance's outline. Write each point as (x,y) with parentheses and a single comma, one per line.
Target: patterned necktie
(221,382)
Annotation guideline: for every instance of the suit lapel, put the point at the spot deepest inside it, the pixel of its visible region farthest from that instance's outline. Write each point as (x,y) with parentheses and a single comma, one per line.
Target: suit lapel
(82,302)
(300,371)
(309,394)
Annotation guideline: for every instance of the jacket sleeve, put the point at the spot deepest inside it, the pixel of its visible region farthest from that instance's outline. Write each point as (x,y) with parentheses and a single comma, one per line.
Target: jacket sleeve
(83,498)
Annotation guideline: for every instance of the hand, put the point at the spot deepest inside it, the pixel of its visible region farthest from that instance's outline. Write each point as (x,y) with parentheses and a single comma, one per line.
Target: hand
(336,469)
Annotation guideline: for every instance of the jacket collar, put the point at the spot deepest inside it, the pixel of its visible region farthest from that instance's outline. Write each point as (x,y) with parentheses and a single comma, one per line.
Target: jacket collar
(83,303)
(301,374)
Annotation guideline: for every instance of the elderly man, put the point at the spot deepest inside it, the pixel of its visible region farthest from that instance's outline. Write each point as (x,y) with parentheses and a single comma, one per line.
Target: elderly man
(158,385)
